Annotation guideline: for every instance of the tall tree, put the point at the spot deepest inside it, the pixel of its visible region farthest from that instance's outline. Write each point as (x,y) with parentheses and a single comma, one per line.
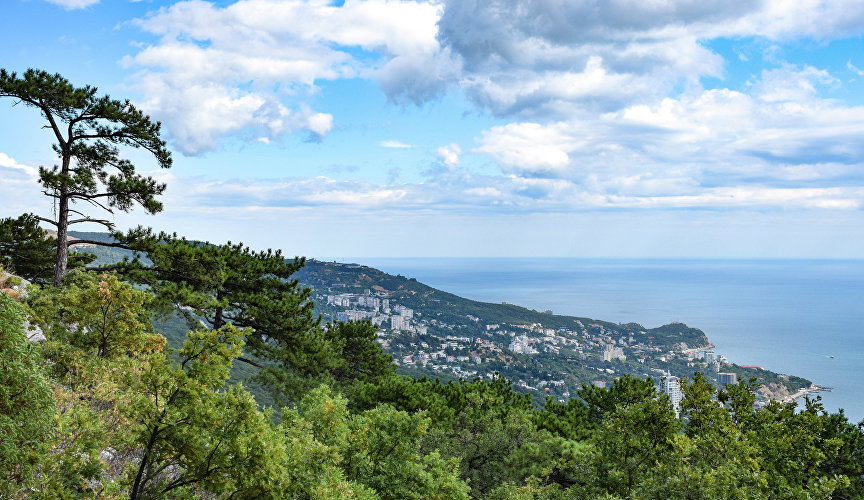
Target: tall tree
(89,130)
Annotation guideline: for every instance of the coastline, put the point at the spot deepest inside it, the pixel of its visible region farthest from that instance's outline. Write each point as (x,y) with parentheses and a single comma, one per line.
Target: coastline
(813,389)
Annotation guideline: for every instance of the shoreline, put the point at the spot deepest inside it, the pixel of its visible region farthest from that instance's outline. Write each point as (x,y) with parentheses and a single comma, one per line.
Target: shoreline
(813,389)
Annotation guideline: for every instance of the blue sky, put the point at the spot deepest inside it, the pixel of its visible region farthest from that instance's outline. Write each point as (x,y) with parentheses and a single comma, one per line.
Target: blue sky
(473,128)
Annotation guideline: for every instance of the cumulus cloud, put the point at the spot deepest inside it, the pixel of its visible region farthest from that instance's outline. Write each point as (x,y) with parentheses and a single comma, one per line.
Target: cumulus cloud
(779,145)
(449,154)
(254,64)
(605,100)
(16,172)
(546,59)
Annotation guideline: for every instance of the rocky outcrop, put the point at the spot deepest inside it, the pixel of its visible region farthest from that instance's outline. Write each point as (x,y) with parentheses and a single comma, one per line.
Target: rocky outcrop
(19,291)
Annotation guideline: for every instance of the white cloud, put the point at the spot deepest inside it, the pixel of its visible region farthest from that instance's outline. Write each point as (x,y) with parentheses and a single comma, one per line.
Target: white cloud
(20,189)
(792,84)
(473,194)
(73,4)
(395,145)
(530,147)
(546,59)
(782,146)
(17,171)
(851,67)
(219,71)
(536,60)
(449,154)
(609,107)
(319,123)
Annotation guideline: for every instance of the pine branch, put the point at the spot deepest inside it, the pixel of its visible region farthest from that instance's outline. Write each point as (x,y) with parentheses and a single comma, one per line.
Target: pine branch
(100,243)
(104,222)
(49,221)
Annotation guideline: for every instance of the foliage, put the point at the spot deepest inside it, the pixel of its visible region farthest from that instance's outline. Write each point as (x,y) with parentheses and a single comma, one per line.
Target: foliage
(569,420)
(635,437)
(88,130)
(98,314)
(625,392)
(193,433)
(848,461)
(359,360)
(133,419)
(379,448)
(26,402)
(253,290)
(26,250)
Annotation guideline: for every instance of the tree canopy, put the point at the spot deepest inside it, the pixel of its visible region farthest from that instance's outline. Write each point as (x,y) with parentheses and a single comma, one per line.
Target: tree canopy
(28,251)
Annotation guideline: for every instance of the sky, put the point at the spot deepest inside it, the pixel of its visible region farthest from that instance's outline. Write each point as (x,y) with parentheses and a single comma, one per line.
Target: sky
(463,128)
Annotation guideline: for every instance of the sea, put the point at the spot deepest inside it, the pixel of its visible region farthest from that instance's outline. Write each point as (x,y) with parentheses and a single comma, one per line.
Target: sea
(800,317)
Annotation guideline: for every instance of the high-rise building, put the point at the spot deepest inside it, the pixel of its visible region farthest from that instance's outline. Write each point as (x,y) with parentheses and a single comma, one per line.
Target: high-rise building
(727,378)
(672,386)
(399,323)
(708,356)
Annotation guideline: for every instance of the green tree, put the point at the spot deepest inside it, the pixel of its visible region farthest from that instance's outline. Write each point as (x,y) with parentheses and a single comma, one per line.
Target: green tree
(96,313)
(636,436)
(26,402)
(849,459)
(792,451)
(380,449)
(711,458)
(624,392)
(27,250)
(99,336)
(219,284)
(89,130)
(360,359)
(193,433)
(569,420)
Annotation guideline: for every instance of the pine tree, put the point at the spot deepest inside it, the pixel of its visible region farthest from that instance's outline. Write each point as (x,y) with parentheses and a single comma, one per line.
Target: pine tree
(89,130)
(29,252)
(221,284)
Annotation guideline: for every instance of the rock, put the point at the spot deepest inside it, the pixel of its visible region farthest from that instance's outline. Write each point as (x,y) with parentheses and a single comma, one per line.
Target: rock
(34,333)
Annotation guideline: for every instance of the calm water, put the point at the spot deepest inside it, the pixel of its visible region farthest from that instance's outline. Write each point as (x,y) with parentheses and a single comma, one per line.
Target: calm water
(788,316)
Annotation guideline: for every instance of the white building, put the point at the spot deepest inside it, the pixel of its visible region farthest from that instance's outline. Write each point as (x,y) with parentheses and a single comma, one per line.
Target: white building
(522,345)
(399,323)
(352,315)
(672,386)
(610,353)
(727,378)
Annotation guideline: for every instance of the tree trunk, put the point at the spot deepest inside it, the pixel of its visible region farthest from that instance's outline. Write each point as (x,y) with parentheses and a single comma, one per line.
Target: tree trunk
(62,238)
(63,224)
(218,321)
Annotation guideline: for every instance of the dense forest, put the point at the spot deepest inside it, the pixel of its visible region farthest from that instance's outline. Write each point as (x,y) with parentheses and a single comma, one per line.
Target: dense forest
(94,402)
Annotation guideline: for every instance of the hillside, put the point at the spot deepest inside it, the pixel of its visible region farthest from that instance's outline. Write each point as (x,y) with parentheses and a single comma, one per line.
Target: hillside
(434,333)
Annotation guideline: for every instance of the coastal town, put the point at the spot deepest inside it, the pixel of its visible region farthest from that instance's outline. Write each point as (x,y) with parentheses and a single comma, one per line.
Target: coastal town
(541,358)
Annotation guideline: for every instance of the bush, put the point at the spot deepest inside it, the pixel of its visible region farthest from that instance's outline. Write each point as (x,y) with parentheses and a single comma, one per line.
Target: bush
(26,402)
